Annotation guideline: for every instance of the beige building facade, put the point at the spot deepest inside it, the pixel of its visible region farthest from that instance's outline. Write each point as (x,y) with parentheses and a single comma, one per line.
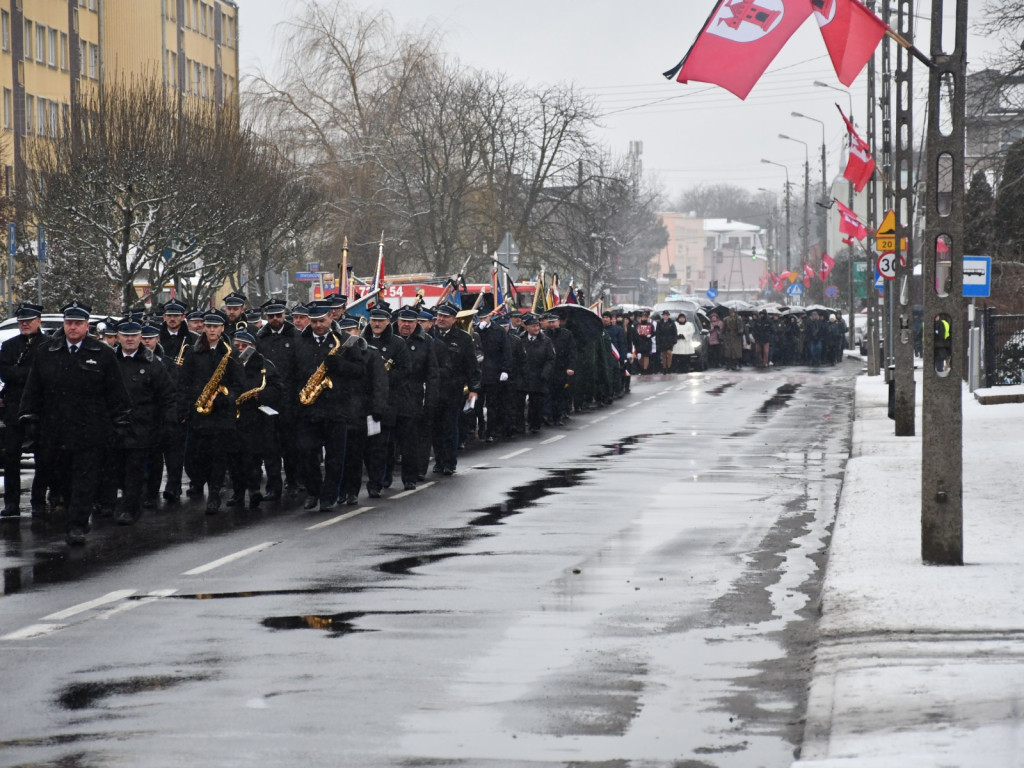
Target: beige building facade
(53,53)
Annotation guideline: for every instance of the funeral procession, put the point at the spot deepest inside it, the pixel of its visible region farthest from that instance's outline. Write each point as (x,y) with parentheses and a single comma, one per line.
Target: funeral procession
(365,405)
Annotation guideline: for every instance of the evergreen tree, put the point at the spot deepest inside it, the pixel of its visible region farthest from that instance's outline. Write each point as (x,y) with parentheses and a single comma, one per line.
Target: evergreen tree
(1009,221)
(979,205)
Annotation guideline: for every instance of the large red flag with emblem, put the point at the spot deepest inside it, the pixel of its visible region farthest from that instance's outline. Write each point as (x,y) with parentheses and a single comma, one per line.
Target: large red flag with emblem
(861,164)
(738,42)
(827,262)
(851,34)
(850,225)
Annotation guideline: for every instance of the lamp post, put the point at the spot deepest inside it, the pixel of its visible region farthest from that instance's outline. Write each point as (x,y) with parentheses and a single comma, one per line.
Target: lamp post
(824,179)
(849,203)
(772,253)
(807,195)
(788,249)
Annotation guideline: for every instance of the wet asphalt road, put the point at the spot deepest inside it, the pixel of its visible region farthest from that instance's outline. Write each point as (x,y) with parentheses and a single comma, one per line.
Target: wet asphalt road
(636,589)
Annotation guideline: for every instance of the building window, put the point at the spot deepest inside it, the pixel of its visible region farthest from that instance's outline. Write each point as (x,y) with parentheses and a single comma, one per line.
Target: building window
(54,119)
(30,111)
(40,43)
(202,18)
(64,51)
(195,14)
(94,61)
(8,107)
(51,50)
(5,30)
(81,57)
(41,123)
(28,40)
(196,77)
(92,5)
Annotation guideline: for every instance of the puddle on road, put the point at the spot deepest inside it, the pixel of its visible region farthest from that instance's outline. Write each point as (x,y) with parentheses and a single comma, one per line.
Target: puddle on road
(404,566)
(336,625)
(525,496)
(256,593)
(721,389)
(85,695)
(776,402)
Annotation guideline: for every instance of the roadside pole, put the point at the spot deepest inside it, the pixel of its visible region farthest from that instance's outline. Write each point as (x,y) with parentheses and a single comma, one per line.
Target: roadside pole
(942,421)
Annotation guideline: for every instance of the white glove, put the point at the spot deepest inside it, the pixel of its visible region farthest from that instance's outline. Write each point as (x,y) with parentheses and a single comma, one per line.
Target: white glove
(503,377)
(629,356)
(482,325)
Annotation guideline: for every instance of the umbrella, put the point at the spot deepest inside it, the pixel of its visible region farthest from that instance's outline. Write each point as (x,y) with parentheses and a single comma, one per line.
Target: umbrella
(738,305)
(585,324)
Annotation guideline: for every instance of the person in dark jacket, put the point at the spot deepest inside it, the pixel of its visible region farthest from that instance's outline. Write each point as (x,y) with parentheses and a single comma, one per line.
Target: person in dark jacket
(537,371)
(643,341)
(418,396)
(75,399)
(459,376)
(325,403)
(617,337)
(278,341)
(16,356)
(515,418)
(175,337)
(494,372)
(560,384)
(137,455)
(209,369)
(255,431)
(763,330)
(666,335)
(383,341)
(368,396)
(814,335)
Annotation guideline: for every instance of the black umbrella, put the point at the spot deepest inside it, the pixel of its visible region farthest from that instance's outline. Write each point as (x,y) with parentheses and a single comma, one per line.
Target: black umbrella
(585,324)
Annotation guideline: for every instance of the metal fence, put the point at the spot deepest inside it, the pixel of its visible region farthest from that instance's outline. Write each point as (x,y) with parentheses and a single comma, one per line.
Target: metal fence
(1003,348)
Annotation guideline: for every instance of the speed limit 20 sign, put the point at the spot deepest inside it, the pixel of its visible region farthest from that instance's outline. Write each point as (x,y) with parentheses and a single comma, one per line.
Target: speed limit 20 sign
(886,264)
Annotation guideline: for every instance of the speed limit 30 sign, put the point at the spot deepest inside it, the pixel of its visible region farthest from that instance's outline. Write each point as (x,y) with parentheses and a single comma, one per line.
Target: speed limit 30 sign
(886,264)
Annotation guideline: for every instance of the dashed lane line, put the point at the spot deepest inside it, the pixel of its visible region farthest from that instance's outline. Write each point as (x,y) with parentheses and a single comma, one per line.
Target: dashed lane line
(33,631)
(512,455)
(229,559)
(554,439)
(417,489)
(110,597)
(339,518)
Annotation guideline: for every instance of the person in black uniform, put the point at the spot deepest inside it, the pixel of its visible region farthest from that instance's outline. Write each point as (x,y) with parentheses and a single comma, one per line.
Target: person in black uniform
(459,376)
(418,396)
(76,398)
(513,418)
(368,396)
(137,455)
(537,371)
(494,372)
(176,340)
(324,409)
(209,381)
(16,356)
(255,432)
(277,341)
(174,334)
(560,384)
(382,340)
(234,312)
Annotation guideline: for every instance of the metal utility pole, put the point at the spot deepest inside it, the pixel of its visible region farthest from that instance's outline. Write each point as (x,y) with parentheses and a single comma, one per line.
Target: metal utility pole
(788,228)
(901,328)
(887,166)
(942,421)
(807,195)
(871,330)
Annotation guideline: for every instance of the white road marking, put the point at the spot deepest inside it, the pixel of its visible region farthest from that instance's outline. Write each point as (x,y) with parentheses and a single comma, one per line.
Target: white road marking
(554,439)
(600,419)
(110,597)
(616,413)
(633,405)
(33,630)
(229,559)
(652,397)
(417,489)
(512,455)
(129,605)
(339,518)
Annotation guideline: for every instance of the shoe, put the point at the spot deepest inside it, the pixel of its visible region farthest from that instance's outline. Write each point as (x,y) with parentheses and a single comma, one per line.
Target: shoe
(255,499)
(171,497)
(235,501)
(194,492)
(437,469)
(213,503)
(125,518)
(10,512)
(489,439)
(373,493)
(387,482)
(273,497)
(448,471)
(312,503)
(75,536)
(420,478)
(409,486)
(351,500)
(328,505)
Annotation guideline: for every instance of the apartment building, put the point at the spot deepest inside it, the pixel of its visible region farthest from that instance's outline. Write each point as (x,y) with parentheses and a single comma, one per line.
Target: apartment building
(55,53)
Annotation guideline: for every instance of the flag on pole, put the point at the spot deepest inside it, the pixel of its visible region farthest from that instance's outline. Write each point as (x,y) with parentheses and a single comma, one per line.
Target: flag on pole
(827,262)
(778,283)
(850,225)
(861,164)
(851,33)
(738,42)
(570,296)
(553,297)
(499,296)
(378,273)
(808,274)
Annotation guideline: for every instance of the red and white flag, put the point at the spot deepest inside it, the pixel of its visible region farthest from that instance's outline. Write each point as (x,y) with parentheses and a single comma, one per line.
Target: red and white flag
(738,42)
(808,274)
(861,164)
(778,283)
(850,225)
(851,33)
(827,262)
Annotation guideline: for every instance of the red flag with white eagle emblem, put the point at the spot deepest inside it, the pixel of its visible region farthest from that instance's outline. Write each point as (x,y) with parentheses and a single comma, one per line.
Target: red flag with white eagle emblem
(738,42)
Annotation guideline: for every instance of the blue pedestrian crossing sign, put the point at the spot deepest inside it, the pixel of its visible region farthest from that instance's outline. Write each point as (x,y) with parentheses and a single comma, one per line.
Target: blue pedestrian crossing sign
(711,293)
(795,290)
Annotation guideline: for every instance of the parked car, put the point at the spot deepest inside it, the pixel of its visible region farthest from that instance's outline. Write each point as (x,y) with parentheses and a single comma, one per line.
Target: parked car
(701,324)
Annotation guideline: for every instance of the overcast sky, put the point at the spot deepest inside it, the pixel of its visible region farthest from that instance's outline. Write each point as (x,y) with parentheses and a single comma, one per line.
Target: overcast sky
(617,51)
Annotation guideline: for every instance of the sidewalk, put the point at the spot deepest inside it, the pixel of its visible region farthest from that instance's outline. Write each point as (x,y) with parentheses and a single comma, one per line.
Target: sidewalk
(922,666)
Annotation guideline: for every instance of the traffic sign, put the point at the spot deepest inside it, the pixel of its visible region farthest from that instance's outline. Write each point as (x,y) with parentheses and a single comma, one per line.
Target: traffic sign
(831,291)
(307,277)
(885,237)
(886,264)
(711,293)
(977,277)
(314,266)
(796,289)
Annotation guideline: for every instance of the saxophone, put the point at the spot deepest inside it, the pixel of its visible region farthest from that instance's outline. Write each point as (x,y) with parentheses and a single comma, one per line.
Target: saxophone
(319,381)
(249,394)
(204,404)
(180,359)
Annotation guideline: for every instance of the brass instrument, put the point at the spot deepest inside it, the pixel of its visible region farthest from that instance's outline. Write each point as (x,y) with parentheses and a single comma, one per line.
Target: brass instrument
(204,404)
(180,359)
(319,381)
(249,394)
(389,364)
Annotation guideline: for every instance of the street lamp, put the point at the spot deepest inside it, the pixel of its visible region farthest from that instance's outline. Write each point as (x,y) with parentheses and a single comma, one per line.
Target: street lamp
(807,193)
(772,162)
(849,96)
